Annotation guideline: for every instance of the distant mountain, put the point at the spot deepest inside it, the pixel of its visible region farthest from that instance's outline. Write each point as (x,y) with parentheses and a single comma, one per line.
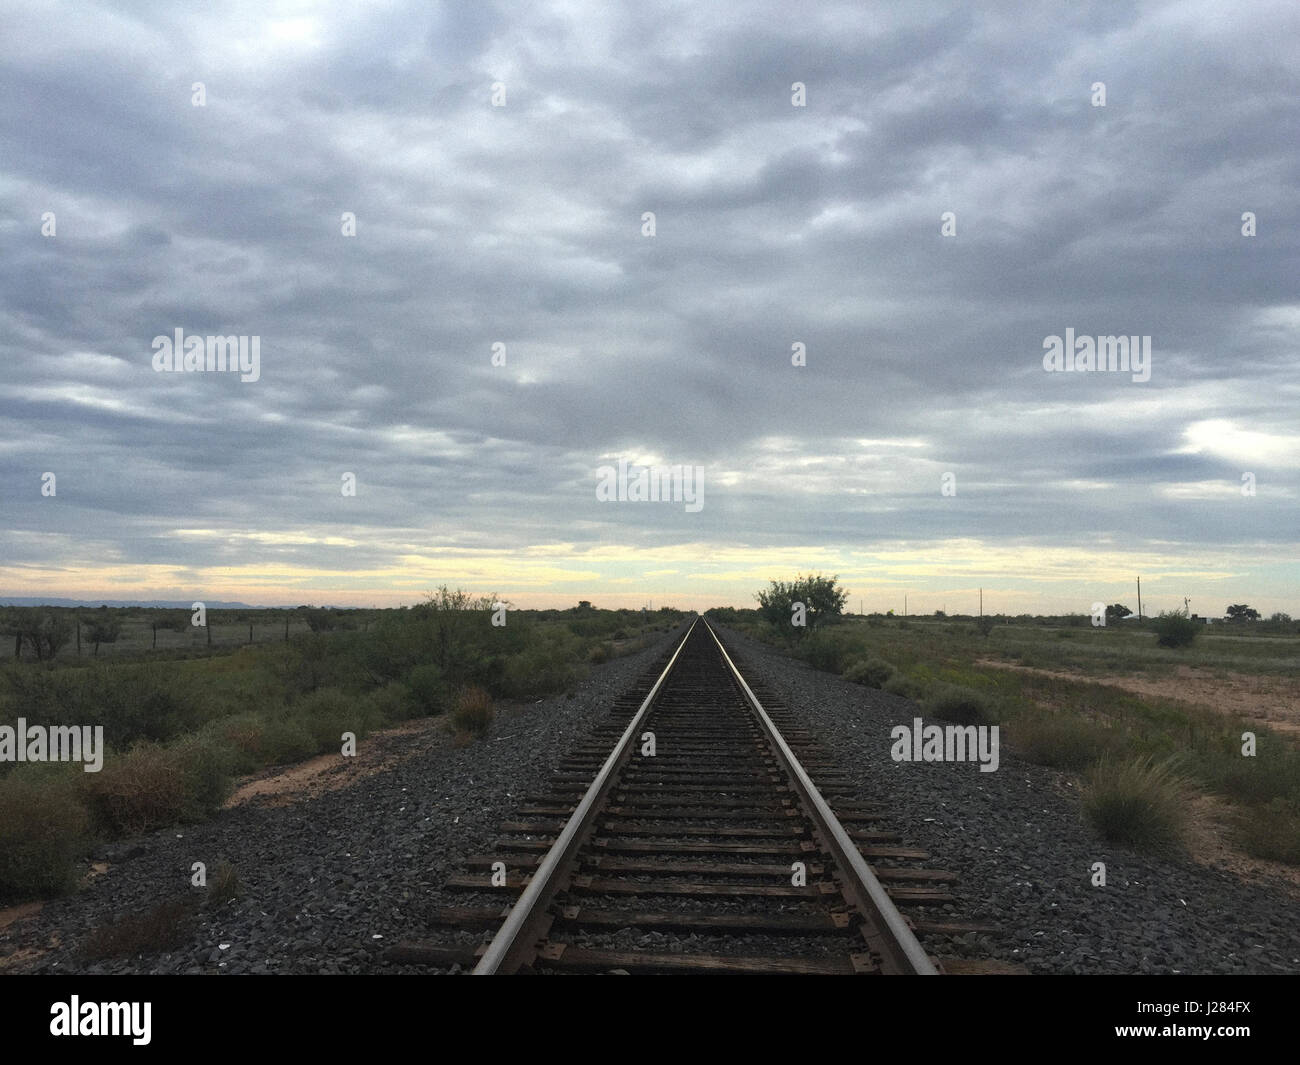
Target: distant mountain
(156,604)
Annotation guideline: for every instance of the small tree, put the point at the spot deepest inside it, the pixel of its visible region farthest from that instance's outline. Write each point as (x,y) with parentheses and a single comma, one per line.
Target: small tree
(45,632)
(985,625)
(105,628)
(1117,612)
(1242,612)
(821,598)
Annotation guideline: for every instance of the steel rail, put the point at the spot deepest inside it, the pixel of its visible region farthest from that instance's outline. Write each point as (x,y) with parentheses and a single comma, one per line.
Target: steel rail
(897,939)
(517,935)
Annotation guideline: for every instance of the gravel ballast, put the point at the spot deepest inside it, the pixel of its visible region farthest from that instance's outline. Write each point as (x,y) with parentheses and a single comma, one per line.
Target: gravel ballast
(1018,841)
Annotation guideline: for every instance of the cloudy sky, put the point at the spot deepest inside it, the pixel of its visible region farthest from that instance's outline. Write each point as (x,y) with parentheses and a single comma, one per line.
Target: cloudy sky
(189,165)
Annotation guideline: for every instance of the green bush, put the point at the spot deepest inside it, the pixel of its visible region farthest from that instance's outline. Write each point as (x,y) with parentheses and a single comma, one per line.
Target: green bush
(285,740)
(245,737)
(824,650)
(1175,629)
(536,673)
(328,713)
(43,832)
(394,702)
(953,702)
(428,688)
(873,672)
(207,767)
(1136,801)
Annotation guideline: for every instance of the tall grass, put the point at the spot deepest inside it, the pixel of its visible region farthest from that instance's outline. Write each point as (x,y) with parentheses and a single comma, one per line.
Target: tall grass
(1136,801)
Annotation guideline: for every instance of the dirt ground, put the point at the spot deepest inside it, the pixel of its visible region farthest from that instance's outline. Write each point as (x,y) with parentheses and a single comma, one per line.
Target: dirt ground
(284,785)
(1271,700)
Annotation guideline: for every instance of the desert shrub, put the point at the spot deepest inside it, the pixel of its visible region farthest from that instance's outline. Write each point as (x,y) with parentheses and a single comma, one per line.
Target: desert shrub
(905,686)
(536,672)
(1175,629)
(152,785)
(602,652)
(825,651)
(137,791)
(1060,740)
(161,928)
(1136,801)
(1258,780)
(428,688)
(1272,831)
(285,739)
(328,713)
(43,831)
(954,702)
(873,672)
(394,702)
(473,713)
(244,735)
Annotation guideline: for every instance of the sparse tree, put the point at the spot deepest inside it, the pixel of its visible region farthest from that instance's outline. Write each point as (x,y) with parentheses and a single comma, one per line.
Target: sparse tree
(45,632)
(103,628)
(1242,612)
(1117,612)
(820,596)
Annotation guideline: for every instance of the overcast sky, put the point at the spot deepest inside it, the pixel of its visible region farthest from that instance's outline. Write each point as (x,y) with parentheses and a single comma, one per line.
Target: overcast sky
(519,221)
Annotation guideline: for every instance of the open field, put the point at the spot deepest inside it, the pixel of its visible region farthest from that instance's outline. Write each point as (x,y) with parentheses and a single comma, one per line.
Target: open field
(1078,698)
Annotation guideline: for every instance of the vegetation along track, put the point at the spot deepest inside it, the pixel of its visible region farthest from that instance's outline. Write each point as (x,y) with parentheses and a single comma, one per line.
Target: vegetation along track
(698,843)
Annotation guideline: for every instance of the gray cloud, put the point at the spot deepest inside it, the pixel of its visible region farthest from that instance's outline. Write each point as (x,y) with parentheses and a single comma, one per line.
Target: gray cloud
(522,225)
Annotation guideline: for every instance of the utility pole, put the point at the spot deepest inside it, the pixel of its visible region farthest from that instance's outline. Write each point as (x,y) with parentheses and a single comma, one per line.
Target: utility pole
(904,604)
(981,602)
(1139,599)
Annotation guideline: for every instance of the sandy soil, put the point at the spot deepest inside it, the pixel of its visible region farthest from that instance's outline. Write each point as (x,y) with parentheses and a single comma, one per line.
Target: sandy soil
(1273,701)
(285,785)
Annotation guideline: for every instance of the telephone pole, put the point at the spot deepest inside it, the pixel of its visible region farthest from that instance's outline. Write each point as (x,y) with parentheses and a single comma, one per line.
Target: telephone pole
(981,602)
(1139,599)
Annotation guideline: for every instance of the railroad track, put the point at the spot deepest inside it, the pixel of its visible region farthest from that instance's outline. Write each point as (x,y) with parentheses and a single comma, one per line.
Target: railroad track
(687,835)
